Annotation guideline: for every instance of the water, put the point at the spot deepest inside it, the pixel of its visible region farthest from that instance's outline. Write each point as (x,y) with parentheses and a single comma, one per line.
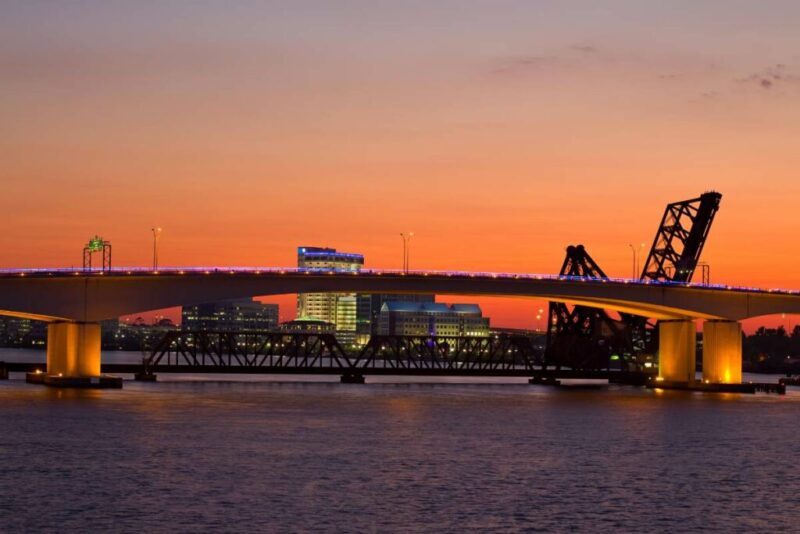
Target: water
(271,456)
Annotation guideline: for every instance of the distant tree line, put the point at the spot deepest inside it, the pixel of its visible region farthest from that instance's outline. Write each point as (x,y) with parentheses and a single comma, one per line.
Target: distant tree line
(772,350)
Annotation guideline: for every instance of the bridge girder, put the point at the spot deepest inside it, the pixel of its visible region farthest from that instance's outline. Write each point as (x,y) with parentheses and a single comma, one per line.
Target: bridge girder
(95,297)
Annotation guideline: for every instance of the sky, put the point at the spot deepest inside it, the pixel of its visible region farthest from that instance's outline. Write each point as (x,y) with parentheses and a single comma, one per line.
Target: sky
(499,132)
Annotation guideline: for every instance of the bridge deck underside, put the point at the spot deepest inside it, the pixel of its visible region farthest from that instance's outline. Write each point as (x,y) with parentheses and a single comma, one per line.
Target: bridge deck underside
(95,297)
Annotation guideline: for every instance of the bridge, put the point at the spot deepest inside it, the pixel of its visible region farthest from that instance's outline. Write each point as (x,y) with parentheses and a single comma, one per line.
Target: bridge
(74,301)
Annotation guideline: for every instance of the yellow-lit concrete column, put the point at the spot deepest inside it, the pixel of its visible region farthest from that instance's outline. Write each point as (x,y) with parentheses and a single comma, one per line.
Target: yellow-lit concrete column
(722,352)
(73,349)
(676,350)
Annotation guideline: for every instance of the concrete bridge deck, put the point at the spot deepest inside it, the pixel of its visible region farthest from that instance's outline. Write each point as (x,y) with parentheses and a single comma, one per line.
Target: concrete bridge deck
(90,296)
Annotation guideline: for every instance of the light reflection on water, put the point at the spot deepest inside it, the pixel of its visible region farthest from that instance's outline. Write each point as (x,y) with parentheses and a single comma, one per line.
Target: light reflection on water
(259,455)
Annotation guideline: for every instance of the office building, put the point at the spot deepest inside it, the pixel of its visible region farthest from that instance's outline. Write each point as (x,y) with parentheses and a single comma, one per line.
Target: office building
(432,319)
(368,310)
(135,334)
(22,332)
(307,326)
(230,316)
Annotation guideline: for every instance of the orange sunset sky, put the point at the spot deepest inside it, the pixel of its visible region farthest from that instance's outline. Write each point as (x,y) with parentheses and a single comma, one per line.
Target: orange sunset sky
(498,131)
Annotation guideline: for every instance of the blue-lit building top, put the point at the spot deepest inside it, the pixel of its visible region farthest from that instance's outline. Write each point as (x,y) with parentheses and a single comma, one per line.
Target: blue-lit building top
(329,258)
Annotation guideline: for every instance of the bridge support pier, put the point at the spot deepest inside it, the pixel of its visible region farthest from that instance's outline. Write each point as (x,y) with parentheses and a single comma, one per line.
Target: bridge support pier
(73,349)
(722,352)
(73,357)
(677,350)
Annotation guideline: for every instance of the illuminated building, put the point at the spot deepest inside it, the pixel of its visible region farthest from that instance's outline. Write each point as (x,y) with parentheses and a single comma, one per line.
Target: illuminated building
(369,309)
(134,335)
(432,319)
(22,332)
(336,308)
(307,326)
(231,315)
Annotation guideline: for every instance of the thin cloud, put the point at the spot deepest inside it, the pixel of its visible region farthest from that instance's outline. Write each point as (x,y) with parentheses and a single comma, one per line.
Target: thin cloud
(585,49)
(123,65)
(585,58)
(571,57)
(770,77)
(521,64)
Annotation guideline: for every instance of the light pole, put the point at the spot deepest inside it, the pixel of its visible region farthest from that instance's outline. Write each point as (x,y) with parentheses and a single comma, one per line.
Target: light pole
(637,256)
(156,235)
(705,270)
(633,262)
(639,261)
(406,249)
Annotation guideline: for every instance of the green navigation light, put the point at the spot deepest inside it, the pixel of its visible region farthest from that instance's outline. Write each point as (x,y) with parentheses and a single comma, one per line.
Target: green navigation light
(95,244)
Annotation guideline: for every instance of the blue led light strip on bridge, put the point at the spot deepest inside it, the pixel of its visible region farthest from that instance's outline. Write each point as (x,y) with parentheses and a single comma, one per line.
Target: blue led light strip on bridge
(218,270)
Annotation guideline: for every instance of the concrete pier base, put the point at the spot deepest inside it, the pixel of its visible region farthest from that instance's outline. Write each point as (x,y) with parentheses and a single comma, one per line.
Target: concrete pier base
(73,358)
(540,380)
(145,376)
(73,349)
(722,352)
(82,382)
(352,379)
(676,350)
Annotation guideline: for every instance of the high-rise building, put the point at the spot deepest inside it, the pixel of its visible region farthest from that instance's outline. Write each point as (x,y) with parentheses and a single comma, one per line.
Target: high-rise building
(432,319)
(231,315)
(336,308)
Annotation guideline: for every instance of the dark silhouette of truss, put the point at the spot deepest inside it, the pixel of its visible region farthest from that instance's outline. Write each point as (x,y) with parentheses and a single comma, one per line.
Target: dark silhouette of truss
(461,354)
(680,239)
(580,337)
(281,352)
(248,350)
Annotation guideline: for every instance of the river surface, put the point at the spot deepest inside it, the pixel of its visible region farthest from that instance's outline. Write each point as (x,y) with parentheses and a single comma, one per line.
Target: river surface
(303,454)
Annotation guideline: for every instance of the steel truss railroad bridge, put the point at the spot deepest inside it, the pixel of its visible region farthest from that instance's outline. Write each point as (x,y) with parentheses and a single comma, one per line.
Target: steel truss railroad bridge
(321,353)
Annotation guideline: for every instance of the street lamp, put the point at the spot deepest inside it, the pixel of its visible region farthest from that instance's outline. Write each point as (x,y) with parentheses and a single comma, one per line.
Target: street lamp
(637,255)
(633,262)
(156,235)
(639,261)
(406,249)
